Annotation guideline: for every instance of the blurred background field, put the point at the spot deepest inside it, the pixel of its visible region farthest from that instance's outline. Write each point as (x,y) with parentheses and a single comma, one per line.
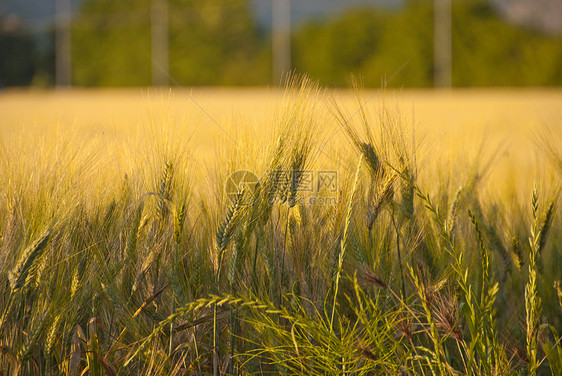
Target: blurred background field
(448,124)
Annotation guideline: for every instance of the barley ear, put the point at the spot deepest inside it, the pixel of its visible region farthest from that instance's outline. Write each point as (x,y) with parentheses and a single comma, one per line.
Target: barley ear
(179,219)
(165,189)
(543,235)
(36,334)
(452,214)
(371,158)
(407,192)
(19,273)
(384,196)
(296,177)
(229,226)
(52,334)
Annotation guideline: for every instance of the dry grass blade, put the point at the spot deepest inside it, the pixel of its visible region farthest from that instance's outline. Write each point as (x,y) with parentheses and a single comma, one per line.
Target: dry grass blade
(447,314)
(221,314)
(150,299)
(548,141)
(367,353)
(372,279)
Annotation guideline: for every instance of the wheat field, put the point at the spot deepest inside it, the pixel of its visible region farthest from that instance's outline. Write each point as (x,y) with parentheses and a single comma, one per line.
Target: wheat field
(434,248)
(504,120)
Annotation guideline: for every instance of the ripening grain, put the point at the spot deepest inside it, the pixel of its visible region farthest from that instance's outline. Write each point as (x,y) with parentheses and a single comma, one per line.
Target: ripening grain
(419,233)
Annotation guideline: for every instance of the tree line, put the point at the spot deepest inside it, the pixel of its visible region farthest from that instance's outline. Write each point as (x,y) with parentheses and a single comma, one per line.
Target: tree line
(219,42)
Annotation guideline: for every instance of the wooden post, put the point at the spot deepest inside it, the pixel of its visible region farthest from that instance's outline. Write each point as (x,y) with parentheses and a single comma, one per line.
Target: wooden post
(442,40)
(281,17)
(63,59)
(159,43)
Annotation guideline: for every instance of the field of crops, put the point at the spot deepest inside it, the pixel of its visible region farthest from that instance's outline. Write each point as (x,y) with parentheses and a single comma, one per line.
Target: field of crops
(373,233)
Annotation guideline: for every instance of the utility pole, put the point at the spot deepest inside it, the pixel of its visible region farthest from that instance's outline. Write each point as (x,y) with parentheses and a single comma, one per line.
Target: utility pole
(63,59)
(442,41)
(159,43)
(281,17)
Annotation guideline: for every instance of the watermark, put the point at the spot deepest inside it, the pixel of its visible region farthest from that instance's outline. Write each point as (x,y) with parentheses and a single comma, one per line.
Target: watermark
(328,180)
(239,181)
(297,187)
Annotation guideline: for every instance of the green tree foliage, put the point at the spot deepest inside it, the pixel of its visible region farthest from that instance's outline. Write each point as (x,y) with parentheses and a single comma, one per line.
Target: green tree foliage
(487,51)
(212,42)
(17,60)
(218,42)
(111,43)
(367,42)
(375,43)
(329,51)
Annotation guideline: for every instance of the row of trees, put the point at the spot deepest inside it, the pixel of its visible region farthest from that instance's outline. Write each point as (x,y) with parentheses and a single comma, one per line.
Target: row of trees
(486,51)
(210,43)
(219,43)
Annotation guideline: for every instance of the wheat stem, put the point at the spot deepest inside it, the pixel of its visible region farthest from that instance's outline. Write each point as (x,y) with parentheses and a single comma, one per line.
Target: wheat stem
(344,239)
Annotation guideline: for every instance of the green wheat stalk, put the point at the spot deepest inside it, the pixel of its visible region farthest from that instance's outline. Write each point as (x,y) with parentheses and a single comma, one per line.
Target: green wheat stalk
(532,300)
(344,239)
